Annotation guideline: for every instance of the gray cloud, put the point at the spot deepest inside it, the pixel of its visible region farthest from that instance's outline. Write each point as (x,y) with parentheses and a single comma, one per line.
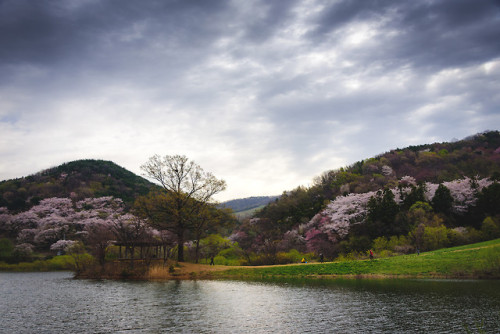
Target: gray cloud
(266,95)
(425,34)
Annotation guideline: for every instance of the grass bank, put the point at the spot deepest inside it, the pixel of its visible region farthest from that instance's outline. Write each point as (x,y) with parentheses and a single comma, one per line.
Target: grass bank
(62,262)
(481,260)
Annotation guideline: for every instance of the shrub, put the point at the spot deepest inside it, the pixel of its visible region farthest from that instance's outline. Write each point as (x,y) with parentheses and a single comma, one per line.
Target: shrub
(62,262)
(6,248)
(490,229)
(435,238)
(23,252)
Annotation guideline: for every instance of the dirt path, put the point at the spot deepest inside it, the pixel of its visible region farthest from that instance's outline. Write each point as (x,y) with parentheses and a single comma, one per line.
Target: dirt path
(187,270)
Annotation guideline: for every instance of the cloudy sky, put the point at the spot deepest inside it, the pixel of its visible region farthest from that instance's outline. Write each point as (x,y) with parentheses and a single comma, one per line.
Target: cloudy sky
(264,94)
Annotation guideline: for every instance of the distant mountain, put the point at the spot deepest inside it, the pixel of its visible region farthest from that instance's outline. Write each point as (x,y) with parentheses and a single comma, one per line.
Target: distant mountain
(249,203)
(78,180)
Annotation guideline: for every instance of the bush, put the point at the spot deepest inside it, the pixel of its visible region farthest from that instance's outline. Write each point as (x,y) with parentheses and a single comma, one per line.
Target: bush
(393,246)
(457,236)
(490,229)
(6,249)
(351,256)
(380,244)
(292,256)
(435,238)
(22,253)
(473,235)
(61,262)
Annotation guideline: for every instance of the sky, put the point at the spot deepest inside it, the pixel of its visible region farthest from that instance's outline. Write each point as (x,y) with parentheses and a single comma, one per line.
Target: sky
(264,94)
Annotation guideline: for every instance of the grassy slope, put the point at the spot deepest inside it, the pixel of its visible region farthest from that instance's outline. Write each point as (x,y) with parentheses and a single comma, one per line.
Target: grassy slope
(481,260)
(247,213)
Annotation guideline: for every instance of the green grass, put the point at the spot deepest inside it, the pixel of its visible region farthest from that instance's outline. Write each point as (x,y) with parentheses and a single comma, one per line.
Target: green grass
(247,213)
(481,260)
(63,262)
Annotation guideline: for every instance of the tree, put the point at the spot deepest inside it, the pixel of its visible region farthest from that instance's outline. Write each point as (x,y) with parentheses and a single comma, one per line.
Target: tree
(382,212)
(417,194)
(185,188)
(442,201)
(489,199)
(99,238)
(209,219)
(131,232)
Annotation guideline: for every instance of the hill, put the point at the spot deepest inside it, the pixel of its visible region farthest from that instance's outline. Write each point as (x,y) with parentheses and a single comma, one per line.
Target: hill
(249,203)
(77,180)
(420,197)
(476,157)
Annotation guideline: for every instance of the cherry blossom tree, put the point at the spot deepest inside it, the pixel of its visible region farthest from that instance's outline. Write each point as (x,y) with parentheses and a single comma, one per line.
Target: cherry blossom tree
(62,245)
(335,222)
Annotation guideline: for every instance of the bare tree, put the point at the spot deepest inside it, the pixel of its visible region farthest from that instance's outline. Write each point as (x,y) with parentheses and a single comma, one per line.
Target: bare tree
(186,188)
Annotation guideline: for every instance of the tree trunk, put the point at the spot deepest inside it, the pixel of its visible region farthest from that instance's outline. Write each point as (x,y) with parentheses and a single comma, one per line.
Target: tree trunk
(180,246)
(132,251)
(197,249)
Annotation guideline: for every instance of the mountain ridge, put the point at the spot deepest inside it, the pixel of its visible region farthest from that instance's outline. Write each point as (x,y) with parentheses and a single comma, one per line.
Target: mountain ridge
(75,179)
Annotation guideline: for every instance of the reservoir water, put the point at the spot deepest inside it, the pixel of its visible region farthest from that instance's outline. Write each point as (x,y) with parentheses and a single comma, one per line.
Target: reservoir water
(55,303)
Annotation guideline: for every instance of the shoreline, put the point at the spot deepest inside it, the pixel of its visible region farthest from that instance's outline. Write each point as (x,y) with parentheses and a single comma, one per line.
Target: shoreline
(473,261)
(191,271)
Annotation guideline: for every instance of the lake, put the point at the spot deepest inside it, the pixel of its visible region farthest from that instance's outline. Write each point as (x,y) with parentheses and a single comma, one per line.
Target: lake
(55,303)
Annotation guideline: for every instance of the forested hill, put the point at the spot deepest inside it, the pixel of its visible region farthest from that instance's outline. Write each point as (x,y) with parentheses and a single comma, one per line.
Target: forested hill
(477,156)
(77,179)
(244,204)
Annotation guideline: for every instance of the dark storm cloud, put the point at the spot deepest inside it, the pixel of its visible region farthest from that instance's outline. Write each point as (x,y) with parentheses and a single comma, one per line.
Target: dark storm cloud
(57,34)
(429,33)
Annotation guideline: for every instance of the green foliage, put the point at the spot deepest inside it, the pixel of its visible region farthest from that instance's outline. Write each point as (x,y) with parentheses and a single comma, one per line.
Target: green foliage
(292,208)
(214,243)
(442,200)
(420,216)
(292,256)
(490,228)
(382,212)
(417,194)
(489,200)
(63,262)
(434,238)
(443,152)
(229,256)
(6,249)
(384,246)
(355,244)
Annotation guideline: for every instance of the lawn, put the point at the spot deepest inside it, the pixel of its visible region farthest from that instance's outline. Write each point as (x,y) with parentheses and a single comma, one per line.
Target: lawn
(481,260)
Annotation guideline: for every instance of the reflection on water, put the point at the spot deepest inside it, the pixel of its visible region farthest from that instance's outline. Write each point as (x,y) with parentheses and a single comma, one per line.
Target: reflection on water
(55,303)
